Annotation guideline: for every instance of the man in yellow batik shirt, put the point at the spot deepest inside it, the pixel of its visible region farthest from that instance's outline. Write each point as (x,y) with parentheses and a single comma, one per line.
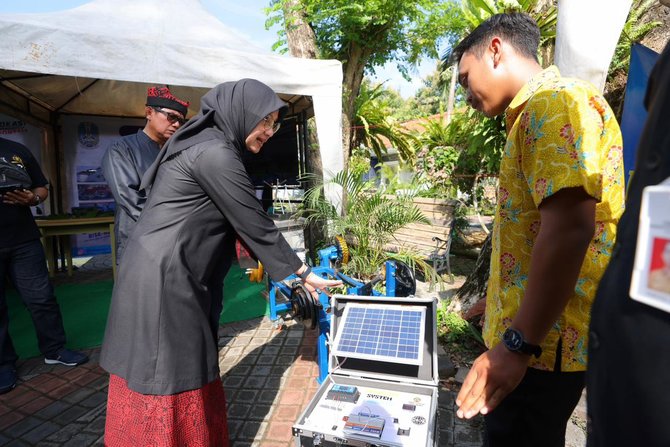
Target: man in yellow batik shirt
(560,196)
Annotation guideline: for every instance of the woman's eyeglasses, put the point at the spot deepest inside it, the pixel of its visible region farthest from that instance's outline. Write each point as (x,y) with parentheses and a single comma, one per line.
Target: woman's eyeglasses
(171,117)
(269,124)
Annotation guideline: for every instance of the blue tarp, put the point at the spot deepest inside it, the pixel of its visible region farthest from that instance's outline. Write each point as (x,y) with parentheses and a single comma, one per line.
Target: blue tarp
(642,60)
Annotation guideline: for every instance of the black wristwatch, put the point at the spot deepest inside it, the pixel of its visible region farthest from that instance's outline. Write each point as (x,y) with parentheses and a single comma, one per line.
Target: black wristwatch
(305,273)
(513,340)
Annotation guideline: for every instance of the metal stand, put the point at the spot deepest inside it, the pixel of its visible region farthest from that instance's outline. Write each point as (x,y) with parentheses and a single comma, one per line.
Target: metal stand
(314,313)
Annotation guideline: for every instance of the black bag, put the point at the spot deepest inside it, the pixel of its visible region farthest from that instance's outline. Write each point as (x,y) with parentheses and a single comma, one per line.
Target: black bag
(13,177)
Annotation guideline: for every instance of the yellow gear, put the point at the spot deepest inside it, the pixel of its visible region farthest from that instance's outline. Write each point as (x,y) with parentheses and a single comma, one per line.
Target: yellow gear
(342,249)
(256,275)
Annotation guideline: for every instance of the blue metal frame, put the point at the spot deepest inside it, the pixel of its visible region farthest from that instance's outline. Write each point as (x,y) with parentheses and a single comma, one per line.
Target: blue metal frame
(324,269)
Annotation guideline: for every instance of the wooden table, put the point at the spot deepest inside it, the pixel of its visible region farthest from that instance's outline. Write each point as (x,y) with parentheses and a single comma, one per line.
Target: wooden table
(66,227)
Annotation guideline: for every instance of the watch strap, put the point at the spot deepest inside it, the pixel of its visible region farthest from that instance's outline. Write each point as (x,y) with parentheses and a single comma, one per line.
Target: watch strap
(530,349)
(305,273)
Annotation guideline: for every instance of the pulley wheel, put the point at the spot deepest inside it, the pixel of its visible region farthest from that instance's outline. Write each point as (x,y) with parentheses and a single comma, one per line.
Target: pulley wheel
(304,307)
(404,279)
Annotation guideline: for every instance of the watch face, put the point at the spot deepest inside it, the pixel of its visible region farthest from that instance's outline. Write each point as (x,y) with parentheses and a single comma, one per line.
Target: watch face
(513,339)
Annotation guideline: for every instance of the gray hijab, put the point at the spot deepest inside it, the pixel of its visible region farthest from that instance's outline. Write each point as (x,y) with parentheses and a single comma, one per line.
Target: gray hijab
(228,112)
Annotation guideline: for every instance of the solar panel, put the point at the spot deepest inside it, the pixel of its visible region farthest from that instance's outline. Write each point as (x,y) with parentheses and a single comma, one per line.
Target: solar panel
(385,332)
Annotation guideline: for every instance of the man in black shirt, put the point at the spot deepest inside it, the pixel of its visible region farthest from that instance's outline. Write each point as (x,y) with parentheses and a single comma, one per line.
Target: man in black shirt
(22,259)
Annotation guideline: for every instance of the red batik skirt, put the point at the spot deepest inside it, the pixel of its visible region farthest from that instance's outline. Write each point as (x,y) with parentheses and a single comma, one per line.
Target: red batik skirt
(195,418)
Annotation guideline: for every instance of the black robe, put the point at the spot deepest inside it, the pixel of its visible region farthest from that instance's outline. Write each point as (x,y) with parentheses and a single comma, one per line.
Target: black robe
(161,333)
(123,165)
(628,376)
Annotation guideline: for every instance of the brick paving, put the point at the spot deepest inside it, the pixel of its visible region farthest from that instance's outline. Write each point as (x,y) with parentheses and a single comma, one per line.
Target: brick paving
(54,405)
(269,376)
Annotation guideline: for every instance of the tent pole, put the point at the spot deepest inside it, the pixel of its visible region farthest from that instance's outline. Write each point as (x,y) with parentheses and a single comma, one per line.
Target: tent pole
(58,190)
(302,142)
(56,129)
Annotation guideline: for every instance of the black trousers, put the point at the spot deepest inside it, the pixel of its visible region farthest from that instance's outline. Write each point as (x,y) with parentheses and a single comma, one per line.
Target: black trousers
(536,413)
(26,266)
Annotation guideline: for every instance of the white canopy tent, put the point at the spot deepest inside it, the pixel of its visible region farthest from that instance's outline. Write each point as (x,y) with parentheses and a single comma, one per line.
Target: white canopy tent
(578,54)
(99,58)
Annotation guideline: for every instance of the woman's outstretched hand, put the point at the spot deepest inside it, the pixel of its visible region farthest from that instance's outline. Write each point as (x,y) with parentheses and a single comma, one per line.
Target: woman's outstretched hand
(316,284)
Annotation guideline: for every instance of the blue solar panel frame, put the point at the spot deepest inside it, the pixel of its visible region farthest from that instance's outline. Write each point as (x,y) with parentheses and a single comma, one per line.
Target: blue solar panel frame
(384,332)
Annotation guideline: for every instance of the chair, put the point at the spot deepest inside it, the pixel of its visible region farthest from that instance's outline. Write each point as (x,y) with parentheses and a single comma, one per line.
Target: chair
(439,257)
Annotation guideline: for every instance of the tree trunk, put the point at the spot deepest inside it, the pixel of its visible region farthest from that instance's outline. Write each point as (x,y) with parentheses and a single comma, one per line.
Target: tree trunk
(299,33)
(346,139)
(475,284)
(354,68)
(452,92)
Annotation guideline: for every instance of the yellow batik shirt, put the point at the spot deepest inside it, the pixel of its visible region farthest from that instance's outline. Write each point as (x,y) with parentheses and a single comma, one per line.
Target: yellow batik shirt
(560,134)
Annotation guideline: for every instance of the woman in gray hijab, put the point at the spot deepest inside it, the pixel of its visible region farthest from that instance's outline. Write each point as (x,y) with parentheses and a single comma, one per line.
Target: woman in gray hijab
(160,344)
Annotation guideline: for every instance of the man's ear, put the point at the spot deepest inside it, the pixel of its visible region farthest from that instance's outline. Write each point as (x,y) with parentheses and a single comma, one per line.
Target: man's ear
(496,48)
(148,111)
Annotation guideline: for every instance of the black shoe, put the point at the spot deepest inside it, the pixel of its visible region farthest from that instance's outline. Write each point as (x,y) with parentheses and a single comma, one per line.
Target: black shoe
(66,357)
(7,380)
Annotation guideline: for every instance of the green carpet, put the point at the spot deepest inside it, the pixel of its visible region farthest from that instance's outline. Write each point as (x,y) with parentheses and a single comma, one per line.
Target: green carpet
(85,306)
(243,300)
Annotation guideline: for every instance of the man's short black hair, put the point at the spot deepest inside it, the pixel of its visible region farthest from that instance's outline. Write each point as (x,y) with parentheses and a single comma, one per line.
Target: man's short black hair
(517,28)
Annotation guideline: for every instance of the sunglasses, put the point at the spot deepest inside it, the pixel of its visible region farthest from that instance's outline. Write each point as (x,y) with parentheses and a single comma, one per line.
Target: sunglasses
(268,124)
(171,117)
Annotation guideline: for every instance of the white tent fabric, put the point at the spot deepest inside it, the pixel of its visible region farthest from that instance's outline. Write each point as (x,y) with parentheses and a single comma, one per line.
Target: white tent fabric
(586,35)
(99,58)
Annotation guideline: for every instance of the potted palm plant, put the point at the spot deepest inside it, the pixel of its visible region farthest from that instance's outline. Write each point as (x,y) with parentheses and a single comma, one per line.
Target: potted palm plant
(368,219)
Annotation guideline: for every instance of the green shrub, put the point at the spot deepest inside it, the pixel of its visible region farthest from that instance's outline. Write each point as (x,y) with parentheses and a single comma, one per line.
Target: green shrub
(453,329)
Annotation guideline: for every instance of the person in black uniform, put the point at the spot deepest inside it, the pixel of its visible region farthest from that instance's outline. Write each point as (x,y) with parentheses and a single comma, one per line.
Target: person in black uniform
(22,259)
(628,376)
(126,160)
